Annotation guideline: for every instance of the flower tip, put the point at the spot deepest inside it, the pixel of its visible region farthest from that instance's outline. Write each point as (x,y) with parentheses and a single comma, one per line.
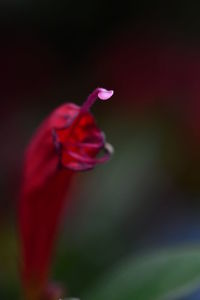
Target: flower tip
(104,94)
(100,93)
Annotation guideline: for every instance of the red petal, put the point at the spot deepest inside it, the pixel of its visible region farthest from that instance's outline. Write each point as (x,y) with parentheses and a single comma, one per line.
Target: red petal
(67,140)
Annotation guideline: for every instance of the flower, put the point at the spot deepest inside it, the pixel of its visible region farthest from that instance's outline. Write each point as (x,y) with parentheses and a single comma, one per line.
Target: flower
(67,141)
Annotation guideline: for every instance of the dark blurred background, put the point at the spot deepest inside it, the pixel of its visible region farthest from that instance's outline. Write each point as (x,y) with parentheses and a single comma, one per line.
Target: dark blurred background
(147,199)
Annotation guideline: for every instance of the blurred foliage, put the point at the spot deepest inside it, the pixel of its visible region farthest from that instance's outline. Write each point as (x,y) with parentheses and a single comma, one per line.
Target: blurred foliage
(150,277)
(9,262)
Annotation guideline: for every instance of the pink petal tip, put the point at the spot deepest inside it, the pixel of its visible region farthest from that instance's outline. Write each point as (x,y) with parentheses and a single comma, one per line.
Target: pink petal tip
(104,94)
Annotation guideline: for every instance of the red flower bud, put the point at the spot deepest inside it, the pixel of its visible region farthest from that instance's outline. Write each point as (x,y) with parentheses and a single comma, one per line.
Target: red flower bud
(67,141)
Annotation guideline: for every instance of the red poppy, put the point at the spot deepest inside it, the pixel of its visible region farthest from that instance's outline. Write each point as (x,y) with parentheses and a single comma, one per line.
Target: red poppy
(67,141)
